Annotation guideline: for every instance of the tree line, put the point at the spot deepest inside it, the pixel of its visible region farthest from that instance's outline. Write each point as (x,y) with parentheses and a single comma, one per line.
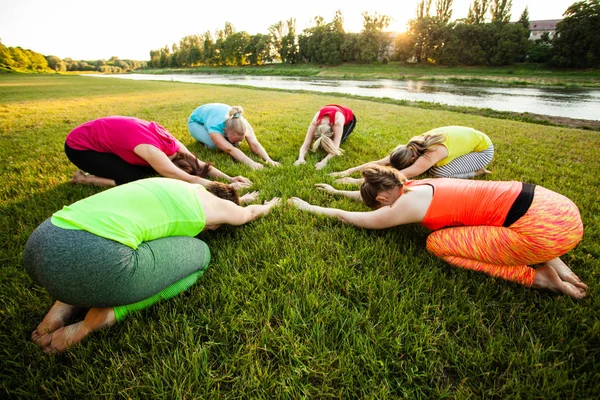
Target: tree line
(484,37)
(21,60)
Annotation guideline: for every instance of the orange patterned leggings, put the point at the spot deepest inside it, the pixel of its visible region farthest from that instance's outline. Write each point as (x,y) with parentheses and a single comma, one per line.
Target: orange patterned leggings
(551,227)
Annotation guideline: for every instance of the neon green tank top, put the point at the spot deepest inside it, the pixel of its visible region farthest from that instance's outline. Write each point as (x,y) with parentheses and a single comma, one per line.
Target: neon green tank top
(461,140)
(139,211)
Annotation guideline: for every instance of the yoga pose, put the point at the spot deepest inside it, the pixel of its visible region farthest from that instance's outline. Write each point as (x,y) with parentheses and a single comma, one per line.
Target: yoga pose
(221,126)
(330,126)
(124,249)
(117,150)
(447,152)
(499,228)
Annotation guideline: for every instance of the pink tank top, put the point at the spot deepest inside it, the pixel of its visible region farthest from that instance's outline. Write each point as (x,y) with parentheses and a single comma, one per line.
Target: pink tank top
(331,109)
(120,135)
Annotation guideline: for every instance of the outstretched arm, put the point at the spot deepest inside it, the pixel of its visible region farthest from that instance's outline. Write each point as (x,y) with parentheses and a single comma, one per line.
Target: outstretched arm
(310,135)
(338,129)
(351,194)
(226,212)
(257,148)
(164,166)
(384,162)
(233,151)
(409,208)
(214,172)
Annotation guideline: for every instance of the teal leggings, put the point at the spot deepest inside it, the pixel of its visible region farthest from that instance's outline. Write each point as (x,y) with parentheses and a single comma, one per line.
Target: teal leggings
(82,269)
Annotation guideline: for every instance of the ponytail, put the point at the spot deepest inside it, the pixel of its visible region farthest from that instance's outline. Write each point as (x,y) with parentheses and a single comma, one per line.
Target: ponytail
(405,155)
(379,179)
(323,136)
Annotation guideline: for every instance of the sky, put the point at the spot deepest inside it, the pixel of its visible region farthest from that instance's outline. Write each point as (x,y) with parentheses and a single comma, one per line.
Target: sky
(129,29)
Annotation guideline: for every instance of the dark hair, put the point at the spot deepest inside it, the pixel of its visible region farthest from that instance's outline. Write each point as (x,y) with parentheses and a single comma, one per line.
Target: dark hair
(189,163)
(224,192)
(379,179)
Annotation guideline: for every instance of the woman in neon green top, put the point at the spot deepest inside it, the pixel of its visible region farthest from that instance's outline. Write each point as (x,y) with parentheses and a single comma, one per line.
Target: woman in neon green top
(124,249)
(446,152)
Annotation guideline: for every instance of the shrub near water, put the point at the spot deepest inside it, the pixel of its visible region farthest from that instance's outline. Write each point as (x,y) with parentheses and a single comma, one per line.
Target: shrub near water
(295,304)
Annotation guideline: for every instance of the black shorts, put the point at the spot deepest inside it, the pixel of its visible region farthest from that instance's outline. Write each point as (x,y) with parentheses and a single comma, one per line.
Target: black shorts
(108,165)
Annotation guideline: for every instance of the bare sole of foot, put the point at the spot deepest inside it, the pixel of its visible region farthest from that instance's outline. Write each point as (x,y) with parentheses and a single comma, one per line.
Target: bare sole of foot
(565,273)
(70,335)
(56,318)
(547,278)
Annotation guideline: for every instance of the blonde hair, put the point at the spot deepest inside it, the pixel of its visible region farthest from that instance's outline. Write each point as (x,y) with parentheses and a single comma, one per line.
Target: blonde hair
(235,123)
(405,155)
(323,136)
(380,179)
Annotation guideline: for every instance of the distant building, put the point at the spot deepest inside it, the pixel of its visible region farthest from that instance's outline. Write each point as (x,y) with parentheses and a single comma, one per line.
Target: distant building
(538,28)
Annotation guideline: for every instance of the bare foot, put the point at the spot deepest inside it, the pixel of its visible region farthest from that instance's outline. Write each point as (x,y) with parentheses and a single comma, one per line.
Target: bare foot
(54,319)
(482,171)
(67,336)
(78,177)
(565,273)
(82,178)
(547,278)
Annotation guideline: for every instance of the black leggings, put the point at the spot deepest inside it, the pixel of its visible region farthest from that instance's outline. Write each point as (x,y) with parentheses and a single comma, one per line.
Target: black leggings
(108,165)
(348,128)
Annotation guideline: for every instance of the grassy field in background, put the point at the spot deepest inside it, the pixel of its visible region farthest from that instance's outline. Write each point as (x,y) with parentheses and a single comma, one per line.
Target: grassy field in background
(296,305)
(518,74)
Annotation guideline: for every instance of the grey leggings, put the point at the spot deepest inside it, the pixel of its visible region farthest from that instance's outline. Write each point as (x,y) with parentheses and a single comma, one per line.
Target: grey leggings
(83,269)
(464,166)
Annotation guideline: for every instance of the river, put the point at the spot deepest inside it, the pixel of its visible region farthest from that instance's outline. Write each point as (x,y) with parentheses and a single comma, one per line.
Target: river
(558,102)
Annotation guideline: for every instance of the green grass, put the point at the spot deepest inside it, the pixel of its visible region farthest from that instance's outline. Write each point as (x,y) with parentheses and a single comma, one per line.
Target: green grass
(296,305)
(514,75)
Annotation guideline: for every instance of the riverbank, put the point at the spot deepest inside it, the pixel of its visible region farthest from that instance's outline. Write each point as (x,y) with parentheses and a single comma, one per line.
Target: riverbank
(514,75)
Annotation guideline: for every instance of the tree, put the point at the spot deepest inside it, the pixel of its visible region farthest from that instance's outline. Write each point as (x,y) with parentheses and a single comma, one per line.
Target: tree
(374,43)
(477,12)
(6,60)
(500,10)
(524,20)
(56,63)
(577,39)
(444,11)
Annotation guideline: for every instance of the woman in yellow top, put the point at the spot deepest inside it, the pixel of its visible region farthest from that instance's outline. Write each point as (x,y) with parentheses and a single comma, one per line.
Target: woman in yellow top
(446,152)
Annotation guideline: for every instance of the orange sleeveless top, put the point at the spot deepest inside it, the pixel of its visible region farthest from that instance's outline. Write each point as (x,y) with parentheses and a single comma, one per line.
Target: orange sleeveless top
(464,202)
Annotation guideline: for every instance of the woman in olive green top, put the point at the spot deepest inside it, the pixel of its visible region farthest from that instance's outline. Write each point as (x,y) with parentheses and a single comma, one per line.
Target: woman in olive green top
(124,249)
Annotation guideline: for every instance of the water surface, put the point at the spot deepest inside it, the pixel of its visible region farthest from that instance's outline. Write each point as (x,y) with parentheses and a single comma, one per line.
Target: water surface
(559,102)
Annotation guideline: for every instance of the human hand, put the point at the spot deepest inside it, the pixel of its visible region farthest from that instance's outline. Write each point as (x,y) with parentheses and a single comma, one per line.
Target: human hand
(249,197)
(257,165)
(273,163)
(340,173)
(299,161)
(326,188)
(275,201)
(241,179)
(299,203)
(239,185)
(321,164)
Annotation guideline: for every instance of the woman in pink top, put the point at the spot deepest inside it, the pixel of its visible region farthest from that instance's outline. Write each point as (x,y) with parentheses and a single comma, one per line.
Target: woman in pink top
(499,228)
(116,150)
(330,126)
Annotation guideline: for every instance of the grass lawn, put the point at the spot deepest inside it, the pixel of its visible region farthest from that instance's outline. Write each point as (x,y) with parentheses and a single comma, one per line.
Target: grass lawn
(296,305)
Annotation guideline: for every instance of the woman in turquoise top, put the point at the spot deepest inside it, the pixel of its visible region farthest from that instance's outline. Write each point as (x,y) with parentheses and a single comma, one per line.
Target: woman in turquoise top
(446,152)
(221,126)
(124,249)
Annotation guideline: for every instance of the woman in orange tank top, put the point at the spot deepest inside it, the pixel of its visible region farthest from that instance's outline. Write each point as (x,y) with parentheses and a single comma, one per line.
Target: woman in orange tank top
(499,228)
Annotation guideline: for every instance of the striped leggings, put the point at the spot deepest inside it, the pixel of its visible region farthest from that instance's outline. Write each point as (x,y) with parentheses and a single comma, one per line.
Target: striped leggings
(465,166)
(551,227)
